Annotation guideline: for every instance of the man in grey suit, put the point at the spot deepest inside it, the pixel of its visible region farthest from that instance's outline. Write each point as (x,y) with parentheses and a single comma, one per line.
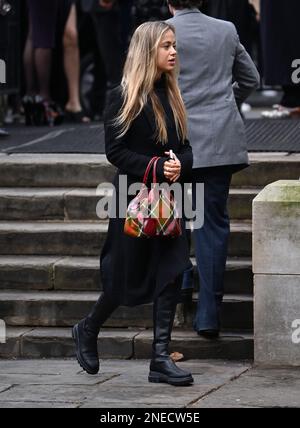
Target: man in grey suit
(216,76)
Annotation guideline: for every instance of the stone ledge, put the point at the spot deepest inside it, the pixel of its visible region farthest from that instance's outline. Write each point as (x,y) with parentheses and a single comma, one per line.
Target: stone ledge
(123,344)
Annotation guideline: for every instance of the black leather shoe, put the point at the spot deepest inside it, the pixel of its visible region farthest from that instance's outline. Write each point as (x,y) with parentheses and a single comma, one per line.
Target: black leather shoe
(209,334)
(86,348)
(166,371)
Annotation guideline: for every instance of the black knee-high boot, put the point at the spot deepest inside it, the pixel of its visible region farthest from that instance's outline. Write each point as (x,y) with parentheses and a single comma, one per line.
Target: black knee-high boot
(85,334)
(162,368)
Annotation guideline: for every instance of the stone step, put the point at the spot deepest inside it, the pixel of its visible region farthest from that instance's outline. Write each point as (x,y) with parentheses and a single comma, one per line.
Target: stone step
(30,273)
(54,170)
(126,343)
(85,238)
(59,309)
(266,168)
(240,203)
(27,204)
(74,170)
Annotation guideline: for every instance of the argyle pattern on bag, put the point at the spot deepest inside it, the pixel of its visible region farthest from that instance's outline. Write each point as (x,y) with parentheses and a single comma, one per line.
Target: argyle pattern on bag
(152,213)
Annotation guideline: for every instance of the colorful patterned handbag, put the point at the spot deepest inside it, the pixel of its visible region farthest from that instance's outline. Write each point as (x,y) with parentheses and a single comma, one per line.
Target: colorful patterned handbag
(152,212)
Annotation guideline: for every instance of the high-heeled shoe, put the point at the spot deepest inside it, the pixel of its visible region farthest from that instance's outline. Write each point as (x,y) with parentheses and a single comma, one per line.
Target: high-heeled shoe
(28,106)
(54,114)
(47,113)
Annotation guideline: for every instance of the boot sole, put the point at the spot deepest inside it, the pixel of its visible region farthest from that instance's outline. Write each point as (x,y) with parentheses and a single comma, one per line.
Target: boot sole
(78,356)
(156,377)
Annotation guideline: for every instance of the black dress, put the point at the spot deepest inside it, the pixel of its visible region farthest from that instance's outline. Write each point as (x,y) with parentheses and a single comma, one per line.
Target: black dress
(135,270)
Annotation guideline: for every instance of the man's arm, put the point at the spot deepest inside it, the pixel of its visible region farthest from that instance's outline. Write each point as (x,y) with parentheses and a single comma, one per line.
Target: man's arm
(245,74)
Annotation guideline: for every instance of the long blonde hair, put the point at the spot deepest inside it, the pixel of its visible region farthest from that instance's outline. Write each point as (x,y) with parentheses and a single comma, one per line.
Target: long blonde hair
(140,73)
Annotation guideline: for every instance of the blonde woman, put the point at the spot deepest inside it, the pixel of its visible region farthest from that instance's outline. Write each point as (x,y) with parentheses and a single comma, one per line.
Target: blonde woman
(145,118)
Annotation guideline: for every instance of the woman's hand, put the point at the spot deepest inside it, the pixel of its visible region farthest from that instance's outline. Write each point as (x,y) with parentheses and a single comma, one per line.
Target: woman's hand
(172,168)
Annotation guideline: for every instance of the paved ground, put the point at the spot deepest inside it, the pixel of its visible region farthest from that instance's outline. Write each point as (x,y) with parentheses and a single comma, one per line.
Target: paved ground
(57,383)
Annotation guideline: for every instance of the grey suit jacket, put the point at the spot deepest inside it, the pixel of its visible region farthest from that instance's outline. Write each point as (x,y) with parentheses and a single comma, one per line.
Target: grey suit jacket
(211,59)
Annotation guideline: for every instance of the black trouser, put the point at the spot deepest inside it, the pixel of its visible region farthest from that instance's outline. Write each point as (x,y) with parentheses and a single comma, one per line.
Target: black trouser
(164,309)
(108,34)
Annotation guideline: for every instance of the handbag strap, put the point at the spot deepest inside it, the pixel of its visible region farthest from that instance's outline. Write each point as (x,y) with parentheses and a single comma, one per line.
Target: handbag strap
(146,175)
(154,170)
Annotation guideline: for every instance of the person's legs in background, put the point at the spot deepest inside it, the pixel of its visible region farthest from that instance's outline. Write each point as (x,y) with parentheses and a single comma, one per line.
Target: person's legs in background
(43,16)
(72,68)
(43,62)
(28,61)
(29,72)
(39,110)
(108,32)
(126,22)
(98,91)
(211,245)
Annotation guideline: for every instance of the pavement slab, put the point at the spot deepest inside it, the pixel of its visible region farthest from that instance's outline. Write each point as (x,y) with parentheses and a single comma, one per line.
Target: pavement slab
(258,388)
(61,383)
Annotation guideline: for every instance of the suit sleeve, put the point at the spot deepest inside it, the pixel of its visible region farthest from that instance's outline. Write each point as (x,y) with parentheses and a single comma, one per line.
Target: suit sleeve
(116,147)
(245,74)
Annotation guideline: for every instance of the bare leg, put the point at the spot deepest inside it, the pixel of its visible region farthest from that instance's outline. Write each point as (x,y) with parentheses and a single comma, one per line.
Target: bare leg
(72,62)
(43,60)
(28,61)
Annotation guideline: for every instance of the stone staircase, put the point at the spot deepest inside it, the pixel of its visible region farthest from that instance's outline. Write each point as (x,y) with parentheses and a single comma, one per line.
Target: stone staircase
(50,241)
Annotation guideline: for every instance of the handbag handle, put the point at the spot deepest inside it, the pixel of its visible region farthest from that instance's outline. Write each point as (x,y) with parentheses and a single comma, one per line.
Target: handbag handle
(154,171)
(146,175)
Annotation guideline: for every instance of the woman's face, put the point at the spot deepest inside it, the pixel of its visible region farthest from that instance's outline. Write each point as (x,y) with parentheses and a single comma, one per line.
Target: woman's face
(166,54)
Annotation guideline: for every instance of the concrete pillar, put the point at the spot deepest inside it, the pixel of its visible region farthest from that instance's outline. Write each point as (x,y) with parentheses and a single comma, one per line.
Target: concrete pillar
(276,268)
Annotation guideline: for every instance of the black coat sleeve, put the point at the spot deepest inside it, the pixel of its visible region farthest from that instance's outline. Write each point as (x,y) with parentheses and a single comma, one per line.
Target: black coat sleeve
(185,155)
(116,148)
(186,158)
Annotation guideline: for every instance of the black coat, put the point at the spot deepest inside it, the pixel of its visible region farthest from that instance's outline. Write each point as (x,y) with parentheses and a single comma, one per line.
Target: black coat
(93,5)
(280,39)
(135,270)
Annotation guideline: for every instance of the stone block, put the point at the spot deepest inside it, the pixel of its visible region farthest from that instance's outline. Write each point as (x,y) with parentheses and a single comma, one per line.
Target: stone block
(77,273)
(277,320)
(276,229)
